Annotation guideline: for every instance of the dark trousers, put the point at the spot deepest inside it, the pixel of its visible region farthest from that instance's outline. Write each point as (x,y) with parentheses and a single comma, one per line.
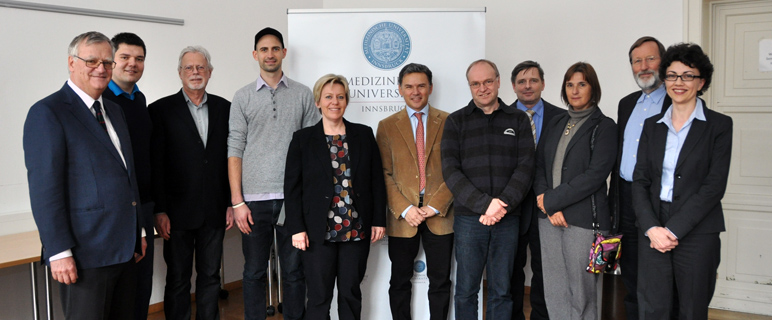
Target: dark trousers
(324,263)
(538,306)
(629,259)
(206,244)
(105,293)
(145,267)
(402,253)
(685,276)
(256,247)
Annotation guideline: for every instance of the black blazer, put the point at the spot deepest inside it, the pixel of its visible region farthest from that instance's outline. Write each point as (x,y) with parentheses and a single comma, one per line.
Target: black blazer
(625,109)
(190,181)
(529,207)
(308,186)
(582,175)
(82,196)
(700,180)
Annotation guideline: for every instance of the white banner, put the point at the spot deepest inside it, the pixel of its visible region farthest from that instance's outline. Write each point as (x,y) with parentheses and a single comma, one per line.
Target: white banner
(369,47)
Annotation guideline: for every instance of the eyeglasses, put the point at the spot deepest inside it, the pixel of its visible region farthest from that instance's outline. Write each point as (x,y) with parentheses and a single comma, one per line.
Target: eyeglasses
(93,63)
(200,69)
(486,83)
(649,60)
(686,77)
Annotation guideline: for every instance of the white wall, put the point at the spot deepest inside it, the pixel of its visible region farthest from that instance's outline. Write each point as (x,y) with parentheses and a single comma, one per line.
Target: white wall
(34,65)
(554,33)
(559,33)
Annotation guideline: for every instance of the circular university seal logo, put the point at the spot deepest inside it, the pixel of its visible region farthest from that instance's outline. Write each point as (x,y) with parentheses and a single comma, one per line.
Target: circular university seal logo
(419,266)
(386,45)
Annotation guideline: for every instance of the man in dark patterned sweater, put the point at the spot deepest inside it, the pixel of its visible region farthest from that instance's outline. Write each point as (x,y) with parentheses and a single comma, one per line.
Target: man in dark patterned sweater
(487,162)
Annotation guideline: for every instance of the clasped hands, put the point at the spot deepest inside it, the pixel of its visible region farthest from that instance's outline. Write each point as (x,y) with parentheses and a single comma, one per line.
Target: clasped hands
(661,239)
(495,212)
(415,215)
(556,219)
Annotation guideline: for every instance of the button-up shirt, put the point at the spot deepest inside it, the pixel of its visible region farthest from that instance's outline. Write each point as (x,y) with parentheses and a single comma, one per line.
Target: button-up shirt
(414,124)
(200,115)
(262,84)
(648,105)
(675,141)
(538,115)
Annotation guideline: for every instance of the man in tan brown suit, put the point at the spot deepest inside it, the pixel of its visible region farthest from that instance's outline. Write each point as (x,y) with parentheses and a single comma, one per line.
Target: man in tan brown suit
(419,202)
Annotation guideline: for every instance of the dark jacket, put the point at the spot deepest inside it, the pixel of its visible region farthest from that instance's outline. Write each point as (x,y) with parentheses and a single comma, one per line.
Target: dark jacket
(140,128)
(624,110)
(190,181)
(486,157)
(82,195)
(529,208)
(308,184)
(700,180)
(583,175)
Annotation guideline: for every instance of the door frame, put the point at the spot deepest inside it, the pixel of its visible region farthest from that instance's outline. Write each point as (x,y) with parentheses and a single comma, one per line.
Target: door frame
(729,295)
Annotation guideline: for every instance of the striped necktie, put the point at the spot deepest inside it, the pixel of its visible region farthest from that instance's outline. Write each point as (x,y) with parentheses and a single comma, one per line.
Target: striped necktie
(530,113)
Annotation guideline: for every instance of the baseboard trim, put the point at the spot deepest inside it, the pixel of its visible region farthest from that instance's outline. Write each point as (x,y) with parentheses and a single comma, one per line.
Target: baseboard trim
(159,306)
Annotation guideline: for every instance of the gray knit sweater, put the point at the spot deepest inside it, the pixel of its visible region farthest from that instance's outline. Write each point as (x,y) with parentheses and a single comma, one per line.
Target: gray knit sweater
(261,126)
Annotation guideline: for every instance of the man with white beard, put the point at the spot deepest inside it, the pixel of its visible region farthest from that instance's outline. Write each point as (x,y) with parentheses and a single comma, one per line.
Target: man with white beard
(645,55)
(189,145)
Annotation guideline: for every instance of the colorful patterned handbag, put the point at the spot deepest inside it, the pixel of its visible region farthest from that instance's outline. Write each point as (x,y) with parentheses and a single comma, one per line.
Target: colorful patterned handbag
(605,250)
(604,253)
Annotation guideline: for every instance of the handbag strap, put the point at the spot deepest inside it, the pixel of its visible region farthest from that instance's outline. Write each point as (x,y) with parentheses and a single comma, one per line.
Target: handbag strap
(595,224)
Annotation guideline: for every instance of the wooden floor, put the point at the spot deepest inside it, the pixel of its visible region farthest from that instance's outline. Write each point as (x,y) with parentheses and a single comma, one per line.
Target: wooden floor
(233,309)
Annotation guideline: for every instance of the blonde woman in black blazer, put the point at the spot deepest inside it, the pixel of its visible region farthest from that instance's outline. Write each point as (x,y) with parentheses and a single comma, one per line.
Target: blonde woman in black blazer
(677,191)
(565,226)
(335,201)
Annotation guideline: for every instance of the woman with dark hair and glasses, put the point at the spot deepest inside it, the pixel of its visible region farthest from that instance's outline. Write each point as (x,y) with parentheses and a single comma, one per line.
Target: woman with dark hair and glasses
(677,189)
(574,159)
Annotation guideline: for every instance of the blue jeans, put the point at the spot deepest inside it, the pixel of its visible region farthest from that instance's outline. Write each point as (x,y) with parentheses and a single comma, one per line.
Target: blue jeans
(491,247)
(256,247)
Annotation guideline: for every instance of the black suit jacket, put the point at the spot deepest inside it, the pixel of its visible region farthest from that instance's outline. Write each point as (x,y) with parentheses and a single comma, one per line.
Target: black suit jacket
(625,109)
(83,197)
(529,208)
(190,181)
(583,175)
(308,184)
(700,180)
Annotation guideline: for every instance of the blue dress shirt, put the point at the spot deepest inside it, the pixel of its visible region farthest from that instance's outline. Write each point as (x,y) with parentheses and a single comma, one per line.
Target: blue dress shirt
(675,141)
(648,105)
(538,116)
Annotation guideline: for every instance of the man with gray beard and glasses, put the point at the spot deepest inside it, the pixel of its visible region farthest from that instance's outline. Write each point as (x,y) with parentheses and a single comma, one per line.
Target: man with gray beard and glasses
(189,147)
(645,55)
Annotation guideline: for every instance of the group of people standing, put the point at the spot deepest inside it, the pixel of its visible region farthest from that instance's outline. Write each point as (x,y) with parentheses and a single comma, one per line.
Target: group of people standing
(488,181)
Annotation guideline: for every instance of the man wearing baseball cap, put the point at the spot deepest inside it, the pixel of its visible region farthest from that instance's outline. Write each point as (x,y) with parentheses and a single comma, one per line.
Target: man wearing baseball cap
(264,115)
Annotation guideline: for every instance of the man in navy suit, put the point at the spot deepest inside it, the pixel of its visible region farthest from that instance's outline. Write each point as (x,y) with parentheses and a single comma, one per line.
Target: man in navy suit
(83,189)
(528,83)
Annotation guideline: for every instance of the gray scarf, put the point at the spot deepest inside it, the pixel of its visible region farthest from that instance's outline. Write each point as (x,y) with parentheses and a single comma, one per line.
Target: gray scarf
(575,121)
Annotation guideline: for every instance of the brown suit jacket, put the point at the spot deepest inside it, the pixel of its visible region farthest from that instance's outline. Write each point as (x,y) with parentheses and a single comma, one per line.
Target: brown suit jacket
(400,169)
